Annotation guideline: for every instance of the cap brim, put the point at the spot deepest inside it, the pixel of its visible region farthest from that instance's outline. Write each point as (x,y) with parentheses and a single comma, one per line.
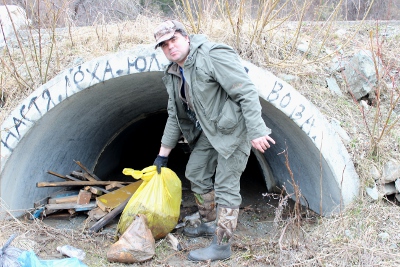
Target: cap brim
(165,37)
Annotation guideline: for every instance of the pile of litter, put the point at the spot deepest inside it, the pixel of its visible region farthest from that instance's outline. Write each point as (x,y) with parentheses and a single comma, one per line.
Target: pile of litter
(150,207)
(84,192)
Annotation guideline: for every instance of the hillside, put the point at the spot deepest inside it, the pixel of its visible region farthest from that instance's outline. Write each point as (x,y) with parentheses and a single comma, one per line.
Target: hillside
(354,237)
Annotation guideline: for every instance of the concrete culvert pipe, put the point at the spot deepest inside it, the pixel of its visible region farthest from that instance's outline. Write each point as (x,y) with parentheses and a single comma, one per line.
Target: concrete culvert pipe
(109,113)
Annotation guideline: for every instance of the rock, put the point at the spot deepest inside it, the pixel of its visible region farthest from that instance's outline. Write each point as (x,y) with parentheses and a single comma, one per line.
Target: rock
(397,185)
(397,196)
(375,173)
(303,46)
(389,189)
(377,192)
(333,86)
(360,74)
(373,192)
(384,236)
(364,104)
(391,171)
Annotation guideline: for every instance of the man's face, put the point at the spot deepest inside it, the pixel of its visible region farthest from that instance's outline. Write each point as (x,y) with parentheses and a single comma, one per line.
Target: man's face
(176,49)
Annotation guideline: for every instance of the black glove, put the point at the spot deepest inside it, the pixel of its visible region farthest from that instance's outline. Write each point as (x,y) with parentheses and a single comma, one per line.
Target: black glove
(160,162)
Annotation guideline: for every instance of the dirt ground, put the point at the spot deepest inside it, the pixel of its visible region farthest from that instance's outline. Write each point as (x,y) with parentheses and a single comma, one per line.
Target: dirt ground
(254,233)
(255,226)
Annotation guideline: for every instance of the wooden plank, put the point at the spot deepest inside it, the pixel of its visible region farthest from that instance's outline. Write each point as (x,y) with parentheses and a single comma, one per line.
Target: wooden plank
(71,211)
(114,185)
(87,170)
(96,214)
(109,201)
(66,199)
(66,206)
(84,197)
(98,190)
(76,183)
(64,193)
(57,194)
(84,208)
(106,219)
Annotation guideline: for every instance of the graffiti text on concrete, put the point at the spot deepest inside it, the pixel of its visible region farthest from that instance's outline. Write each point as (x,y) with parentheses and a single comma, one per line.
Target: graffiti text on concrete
(70,82)
(296,111)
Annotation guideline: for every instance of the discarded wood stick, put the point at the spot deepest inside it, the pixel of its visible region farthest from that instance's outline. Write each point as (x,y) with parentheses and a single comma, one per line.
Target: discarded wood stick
(101,189)
(111,215)
(96,190)
(66,206)
(78,174)
(66,199)
(83,176)
(76,183)
(87,170)
(114,185)
(56,174)
(65,177)
(69,177)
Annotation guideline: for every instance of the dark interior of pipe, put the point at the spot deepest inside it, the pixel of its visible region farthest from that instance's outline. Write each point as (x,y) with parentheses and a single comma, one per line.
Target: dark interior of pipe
(137,146)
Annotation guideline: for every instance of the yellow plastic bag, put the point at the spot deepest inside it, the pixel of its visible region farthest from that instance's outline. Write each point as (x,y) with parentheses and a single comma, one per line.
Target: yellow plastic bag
(158,197)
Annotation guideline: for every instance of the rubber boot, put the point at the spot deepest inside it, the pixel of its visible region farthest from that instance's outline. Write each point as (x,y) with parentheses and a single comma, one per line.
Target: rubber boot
(213,252)
(220,248)
(207,211)
(204,229)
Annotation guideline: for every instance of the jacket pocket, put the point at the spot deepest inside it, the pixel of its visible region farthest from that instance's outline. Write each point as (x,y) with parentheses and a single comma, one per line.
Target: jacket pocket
(229,118)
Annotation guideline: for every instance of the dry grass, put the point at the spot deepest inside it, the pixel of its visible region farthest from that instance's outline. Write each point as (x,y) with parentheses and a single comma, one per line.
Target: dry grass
(354,238)
(350,239)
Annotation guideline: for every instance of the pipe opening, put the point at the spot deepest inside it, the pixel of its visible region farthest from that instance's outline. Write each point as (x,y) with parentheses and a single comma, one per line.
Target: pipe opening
(109,114)
(138,144)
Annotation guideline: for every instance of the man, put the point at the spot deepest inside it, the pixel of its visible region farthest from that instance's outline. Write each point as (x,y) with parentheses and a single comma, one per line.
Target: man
(214,104)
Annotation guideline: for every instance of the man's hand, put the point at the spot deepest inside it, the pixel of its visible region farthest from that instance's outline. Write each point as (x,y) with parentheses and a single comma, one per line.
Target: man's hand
(160,162)
(261,143)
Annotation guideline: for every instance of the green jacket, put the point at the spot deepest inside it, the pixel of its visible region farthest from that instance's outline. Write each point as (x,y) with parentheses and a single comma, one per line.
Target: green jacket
(221,94)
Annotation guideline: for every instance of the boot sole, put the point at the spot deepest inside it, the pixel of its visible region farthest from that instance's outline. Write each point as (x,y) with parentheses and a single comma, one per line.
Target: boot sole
(194,260)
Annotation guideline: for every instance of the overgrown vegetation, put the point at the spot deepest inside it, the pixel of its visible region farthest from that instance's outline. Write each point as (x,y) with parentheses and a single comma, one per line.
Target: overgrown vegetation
(380,120)
(267,33)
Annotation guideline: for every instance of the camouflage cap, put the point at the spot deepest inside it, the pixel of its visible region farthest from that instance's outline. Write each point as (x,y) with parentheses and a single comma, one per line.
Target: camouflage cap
(166,30)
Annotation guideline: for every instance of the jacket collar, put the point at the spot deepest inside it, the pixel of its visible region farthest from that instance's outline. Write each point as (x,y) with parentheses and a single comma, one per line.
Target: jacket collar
(173,68)
(196,40)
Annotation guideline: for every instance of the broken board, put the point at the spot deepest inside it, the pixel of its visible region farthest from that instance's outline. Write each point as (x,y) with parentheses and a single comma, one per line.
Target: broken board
(109,201)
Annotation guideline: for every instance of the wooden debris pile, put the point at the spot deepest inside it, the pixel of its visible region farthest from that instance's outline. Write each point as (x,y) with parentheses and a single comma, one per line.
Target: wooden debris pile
(85,192)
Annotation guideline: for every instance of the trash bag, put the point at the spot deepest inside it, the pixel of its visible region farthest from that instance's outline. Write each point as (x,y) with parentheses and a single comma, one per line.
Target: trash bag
(158,197)
(29,259)
(137,244)
(9,255)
